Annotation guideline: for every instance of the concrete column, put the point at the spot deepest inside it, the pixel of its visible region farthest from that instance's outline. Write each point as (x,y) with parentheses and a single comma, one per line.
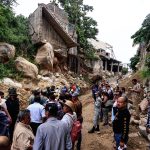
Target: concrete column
(111,66)
(118,67)
(105,65)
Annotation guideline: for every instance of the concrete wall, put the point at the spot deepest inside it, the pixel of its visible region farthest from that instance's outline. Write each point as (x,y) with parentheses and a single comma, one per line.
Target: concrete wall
(43,30)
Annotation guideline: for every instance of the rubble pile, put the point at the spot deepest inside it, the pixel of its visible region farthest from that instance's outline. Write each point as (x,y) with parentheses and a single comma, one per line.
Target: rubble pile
(25,87)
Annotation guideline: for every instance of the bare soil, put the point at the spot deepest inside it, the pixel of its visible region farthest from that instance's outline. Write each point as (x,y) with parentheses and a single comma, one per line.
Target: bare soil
(104,140)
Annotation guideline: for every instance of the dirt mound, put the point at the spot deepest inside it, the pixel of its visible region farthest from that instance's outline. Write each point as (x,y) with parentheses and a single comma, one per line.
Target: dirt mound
(127,80)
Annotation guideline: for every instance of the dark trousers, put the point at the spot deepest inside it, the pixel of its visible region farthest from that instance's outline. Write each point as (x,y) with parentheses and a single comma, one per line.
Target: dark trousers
(79,140)
(34,126)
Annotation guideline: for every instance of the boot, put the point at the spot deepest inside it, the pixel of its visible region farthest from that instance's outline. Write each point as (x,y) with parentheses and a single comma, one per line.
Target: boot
(92,130)
(97,128)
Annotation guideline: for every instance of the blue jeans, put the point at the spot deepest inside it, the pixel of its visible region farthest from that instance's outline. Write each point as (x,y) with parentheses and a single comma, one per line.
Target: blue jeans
(117,137)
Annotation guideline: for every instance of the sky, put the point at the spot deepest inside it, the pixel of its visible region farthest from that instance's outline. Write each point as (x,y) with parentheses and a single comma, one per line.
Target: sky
(117,21)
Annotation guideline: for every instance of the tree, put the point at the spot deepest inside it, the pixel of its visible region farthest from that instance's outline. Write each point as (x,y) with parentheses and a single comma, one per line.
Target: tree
(124,70)
(13,29)
(85,26)
(143,34)
(134,60)
(8,3)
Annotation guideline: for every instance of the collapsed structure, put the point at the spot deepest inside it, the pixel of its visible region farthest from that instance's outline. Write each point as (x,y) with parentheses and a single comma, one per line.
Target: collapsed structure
(50,23)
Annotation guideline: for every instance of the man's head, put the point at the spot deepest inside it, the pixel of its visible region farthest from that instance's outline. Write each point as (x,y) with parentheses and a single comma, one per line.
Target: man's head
(134,81)
(68,107)
(97,94)
(123,89)
(1,94)
(37,92)
(51,110)
(122,102)
(117,94)
(37,99)
(75,96)
(12,91)
(4,143)
(24,116)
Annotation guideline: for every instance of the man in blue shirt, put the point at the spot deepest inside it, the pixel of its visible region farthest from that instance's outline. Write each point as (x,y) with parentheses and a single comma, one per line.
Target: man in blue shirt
(53,134)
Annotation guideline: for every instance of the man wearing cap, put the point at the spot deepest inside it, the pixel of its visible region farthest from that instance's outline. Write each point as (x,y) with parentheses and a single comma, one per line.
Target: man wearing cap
(70,116)
(53,134)
(12,103)
(3,105)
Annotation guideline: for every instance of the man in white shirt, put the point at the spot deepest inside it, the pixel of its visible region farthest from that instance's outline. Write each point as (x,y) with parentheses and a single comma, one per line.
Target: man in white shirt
(37,112)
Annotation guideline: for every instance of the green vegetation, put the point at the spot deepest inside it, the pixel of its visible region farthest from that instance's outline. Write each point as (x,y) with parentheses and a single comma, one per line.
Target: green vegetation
(143,34)
(147,61)
(8,70)
(133,62)
(124,70)
(14,29)
(8,3)
(86,27)
(145,73)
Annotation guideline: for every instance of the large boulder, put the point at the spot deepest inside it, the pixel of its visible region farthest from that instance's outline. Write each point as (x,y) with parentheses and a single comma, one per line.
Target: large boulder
(7,52)
(28,69)
(45,57)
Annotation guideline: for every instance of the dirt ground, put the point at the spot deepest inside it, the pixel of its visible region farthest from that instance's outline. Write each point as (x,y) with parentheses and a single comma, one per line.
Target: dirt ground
(104,140)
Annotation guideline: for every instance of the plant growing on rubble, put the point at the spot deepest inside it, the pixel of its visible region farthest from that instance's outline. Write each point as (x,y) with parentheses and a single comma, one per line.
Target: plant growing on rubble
(133,62)
(85,27)
(143,34)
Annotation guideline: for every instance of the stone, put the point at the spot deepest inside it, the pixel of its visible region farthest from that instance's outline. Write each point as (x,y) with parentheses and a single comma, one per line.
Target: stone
(45,57)
(143,105)
(133,135)
(7,52)
(10,82)
(27,68)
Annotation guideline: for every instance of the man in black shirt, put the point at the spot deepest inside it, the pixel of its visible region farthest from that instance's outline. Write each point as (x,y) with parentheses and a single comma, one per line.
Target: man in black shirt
(121,121)
(12,103)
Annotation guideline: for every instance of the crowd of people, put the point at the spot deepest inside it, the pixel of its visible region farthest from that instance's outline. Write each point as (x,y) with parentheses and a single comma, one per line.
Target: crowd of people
(111,106)
(47,122)
(53,118)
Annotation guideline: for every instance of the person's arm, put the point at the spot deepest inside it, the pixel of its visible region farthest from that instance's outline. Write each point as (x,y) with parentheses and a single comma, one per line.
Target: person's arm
(23,142)
(39,141)
(43,115)
(68,141)
(8,115)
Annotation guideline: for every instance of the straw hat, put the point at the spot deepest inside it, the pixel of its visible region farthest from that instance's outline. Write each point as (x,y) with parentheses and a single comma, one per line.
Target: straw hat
(69,104)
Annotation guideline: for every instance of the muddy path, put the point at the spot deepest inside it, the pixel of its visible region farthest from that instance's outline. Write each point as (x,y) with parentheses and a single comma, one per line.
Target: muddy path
(104,140)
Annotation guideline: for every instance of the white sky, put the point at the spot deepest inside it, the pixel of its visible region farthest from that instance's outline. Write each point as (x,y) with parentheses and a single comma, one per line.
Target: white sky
(117,21)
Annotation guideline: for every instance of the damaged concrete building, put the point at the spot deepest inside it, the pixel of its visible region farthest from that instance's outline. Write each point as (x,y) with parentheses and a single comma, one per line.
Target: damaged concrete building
(107,60)
(50,23)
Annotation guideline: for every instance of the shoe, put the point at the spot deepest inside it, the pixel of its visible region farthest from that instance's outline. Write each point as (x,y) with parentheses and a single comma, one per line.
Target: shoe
(97,128)
(92,130)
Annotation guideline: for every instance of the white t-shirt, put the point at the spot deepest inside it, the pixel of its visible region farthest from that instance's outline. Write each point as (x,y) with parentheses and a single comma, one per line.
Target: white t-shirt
(37,112)
(2,103)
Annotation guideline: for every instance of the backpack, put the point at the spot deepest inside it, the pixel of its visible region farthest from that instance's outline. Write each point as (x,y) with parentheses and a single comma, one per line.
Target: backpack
(76,128)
